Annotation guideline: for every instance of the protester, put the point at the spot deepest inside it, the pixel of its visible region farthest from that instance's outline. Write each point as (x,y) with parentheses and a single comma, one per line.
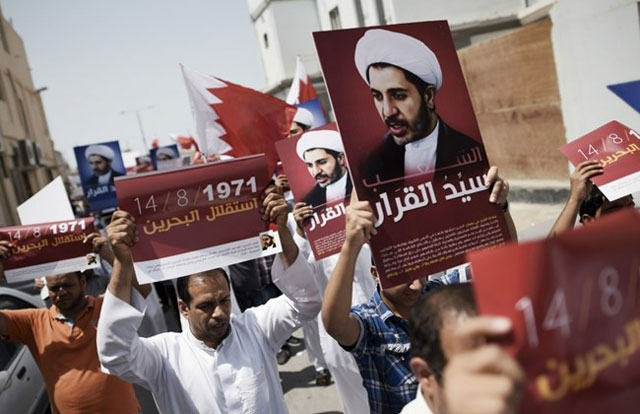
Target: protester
(377,333)
(341,364)
(222,363)
(302,121)
(481,379)
(62,340)
(432,323)
(585,199)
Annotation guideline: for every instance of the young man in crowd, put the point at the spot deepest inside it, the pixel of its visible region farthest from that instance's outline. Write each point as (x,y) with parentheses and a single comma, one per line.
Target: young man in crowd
(585,199)
(222,363)
(377,333)
(62,340)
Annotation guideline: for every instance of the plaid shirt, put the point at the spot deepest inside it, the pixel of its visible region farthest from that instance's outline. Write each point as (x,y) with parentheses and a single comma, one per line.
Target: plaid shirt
(383,351)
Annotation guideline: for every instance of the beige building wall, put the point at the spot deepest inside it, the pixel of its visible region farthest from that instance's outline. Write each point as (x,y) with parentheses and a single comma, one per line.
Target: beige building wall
(27,155)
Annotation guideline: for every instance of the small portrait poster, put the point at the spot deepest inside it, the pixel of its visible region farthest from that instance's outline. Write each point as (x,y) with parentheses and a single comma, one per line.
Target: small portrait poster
(98,166)
(317,171)
(167,157)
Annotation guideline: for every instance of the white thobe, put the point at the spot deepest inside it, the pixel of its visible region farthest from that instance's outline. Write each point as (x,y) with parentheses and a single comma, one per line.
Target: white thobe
(417,406)
(342,364)
(186,376)
(420,155)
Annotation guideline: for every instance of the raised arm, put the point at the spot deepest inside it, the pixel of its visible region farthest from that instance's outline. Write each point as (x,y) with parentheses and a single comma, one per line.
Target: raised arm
(580,189)
(120,350)
(101,246)
(499,195)
(337,318)
(300,301)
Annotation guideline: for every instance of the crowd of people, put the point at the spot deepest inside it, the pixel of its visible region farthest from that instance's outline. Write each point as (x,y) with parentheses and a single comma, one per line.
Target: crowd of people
(419,347)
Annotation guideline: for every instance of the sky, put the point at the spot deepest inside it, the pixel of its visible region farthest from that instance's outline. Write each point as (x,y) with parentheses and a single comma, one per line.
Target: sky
(99,58)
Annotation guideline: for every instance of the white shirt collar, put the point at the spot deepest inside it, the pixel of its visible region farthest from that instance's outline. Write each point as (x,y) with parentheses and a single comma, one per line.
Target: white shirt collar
(337,189)
(418,405)
(104,178)
(429,141)
(420,155)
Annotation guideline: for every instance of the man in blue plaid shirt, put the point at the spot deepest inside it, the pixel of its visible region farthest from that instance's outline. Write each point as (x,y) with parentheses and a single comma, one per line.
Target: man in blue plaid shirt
(377,333)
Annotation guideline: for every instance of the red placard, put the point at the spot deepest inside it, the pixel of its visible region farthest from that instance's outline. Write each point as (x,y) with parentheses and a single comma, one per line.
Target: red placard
(428,218)
(197,218)
(617,147)
(325,230)
(48,249)
(574,301)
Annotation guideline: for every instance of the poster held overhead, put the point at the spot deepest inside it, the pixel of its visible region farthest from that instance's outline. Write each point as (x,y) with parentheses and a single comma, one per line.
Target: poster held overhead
(197,218)
(413,144)
(573,304)
(617,148)
(98,166)
(318,175)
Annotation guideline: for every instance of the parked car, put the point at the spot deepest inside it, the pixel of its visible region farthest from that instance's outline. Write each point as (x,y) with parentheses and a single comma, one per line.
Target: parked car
(22,388)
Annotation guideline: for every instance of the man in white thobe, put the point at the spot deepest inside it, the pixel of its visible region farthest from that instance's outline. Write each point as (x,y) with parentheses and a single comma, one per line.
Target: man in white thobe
(223,363)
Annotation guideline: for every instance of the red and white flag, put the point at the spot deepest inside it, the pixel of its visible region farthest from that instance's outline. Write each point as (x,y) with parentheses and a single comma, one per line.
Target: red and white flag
(301,87)
(186,142)
(236,120)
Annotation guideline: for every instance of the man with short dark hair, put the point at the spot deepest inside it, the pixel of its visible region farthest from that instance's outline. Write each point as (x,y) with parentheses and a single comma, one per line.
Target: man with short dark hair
(221,363)
(585,199)
(62,340)
(432,322)
(404,75)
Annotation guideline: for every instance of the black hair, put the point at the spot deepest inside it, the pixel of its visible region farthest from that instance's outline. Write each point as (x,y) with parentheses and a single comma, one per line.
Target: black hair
(426,319)
(420,85)
(183,283)
(591,204)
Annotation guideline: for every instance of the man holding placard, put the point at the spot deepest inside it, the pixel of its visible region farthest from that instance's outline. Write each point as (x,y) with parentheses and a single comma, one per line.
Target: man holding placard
(222,363)
(62,340)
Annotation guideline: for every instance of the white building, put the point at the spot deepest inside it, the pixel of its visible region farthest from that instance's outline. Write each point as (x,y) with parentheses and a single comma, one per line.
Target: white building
(537,70)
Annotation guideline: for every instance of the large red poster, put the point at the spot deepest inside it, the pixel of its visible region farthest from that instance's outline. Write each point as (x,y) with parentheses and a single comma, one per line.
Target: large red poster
(574,301)
(197,218)
(413,144)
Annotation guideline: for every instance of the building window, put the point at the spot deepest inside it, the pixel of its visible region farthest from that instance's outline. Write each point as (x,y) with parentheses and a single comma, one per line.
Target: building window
(266,41)
(334,16)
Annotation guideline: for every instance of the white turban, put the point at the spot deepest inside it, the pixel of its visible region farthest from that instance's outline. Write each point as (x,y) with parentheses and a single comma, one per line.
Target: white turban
(406,52)
(101,150)
(303,116)
(168,151)
(324,138)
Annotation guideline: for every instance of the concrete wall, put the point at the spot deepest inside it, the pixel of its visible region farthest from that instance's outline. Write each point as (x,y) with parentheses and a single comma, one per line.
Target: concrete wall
(17,86)
(596,43)
(456,11)
(287,25)
(517,104)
